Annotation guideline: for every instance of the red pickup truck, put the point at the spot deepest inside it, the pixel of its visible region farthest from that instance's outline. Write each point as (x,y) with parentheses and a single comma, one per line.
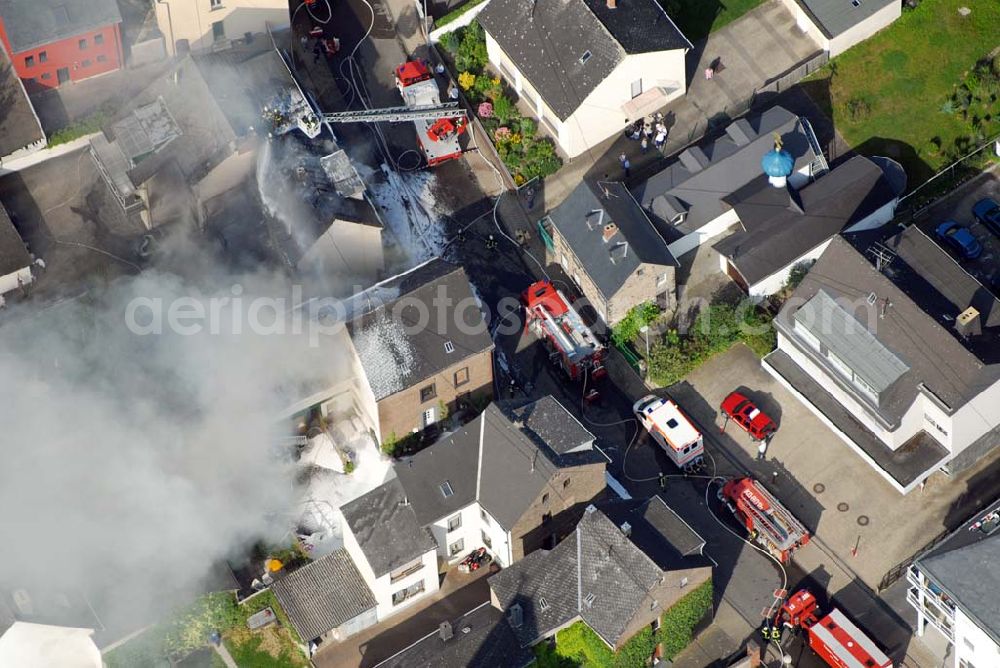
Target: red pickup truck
(743,412)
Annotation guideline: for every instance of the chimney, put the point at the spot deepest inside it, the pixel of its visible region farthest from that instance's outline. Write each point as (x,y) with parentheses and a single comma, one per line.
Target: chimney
(516,616)
(609,231)
(445,632)
(626,529)
(612,4)
(968,323)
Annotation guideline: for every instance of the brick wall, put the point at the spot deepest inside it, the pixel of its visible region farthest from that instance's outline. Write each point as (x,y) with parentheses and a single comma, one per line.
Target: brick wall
(74,58)
(402,413)
(564,504)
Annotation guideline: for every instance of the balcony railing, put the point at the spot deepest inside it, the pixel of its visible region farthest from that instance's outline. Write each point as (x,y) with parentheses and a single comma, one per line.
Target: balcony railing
(406,572)
(932,613)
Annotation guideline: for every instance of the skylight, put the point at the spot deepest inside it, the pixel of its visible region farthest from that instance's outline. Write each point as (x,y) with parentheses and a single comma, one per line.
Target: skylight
(589,600)
(446,489)
(585,57)
(449,347)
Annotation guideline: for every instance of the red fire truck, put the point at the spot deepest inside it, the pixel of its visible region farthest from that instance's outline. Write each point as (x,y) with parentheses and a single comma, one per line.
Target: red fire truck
(438,137)
(571,344)
(768,522)
(834,637)
(671,428)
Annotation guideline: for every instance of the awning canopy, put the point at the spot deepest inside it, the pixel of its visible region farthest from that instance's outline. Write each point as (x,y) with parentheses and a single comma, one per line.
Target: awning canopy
(646,103)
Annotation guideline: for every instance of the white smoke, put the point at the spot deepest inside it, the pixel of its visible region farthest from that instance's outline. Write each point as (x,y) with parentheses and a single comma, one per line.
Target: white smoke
(130,464)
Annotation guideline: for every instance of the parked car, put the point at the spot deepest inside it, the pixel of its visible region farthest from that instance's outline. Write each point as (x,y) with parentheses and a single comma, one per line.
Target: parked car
(743,412)
(987,212)
(960,239)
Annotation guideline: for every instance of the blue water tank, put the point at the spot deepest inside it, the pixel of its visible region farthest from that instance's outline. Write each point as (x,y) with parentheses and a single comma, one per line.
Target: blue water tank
(777,163)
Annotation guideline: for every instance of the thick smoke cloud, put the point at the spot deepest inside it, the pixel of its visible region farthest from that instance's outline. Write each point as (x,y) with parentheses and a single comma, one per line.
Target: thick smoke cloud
(129,464)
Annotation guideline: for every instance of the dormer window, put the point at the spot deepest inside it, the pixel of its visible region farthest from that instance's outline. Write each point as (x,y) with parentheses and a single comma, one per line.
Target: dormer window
(585,57)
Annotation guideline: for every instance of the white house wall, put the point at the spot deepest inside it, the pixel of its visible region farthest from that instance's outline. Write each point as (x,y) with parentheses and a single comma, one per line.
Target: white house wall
(776,281)
(805,24)
(468,533)
(975,418)
(500,538)
(348,250)
(972,644)
(862,31)
(876,219)
(601,115)
(689,242)
(192,19)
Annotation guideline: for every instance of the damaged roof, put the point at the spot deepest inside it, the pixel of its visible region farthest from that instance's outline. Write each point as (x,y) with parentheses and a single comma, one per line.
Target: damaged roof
(396,353)
(566,48)
(609,255)
(19,126)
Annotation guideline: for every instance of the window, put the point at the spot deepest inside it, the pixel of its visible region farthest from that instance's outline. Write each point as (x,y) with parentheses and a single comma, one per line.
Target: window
(409,592)
(462,376)
(585,57)
(454,523)
(589,600)
(968,645)
(405,571)
(427,393)
(43,56)
(102,58)
(29,61)
(661,280)
(566,483)
(98,39)
(83,44)
(218,31)
(636,88)
(856,3)
(456,547)
(543,604)
(449,347)
(446,489)
(546,518)
(85,63)
(484,517)
(872,298)
(545,498)
(429,417)
(486,540)
(47,75)
(216,4)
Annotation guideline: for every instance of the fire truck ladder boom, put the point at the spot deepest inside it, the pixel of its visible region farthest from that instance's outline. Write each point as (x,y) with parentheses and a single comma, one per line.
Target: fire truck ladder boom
(567,344)
(393,114)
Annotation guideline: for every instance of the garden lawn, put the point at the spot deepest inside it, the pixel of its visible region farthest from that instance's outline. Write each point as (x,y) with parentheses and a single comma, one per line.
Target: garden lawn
(886,94)
(697,18)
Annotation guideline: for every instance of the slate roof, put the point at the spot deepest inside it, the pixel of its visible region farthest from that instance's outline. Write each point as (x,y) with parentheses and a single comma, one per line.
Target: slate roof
(13,253)
(34,23)
(515,466)
(704,175)
(596,574)
(323,595)
(19,127)
(658,531)
(550,425)
(580,221)
(394,352)
(966,566)
(546,40)
(480,639)
(918,323)
(834,17)
(386,528)
(781,224)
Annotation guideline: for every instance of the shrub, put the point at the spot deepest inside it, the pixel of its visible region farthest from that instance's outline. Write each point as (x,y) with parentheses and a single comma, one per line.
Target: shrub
(678,623)
(449,41)
(638,317)
(456,13)
(579,642)
(466,80)
(504,109)
(485,110)
(471,54)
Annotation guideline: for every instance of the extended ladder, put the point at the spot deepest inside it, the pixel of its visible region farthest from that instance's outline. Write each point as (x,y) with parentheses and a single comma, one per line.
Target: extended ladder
(393,114)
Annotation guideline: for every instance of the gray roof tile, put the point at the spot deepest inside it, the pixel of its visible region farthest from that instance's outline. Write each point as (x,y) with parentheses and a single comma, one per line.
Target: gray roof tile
(580,220)
(834,17)
(547,40)
(19,126)
(323,595)
(731,165)
(30,23)
(386,528)
(13,253)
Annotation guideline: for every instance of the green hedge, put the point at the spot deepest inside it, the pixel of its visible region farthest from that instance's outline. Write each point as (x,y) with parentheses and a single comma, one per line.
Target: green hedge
(715,330)
(638,317)
(457,12)
(579,646)
(678,623)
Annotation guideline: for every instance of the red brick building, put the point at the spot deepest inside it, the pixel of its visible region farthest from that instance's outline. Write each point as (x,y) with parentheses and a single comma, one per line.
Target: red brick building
(52,42)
